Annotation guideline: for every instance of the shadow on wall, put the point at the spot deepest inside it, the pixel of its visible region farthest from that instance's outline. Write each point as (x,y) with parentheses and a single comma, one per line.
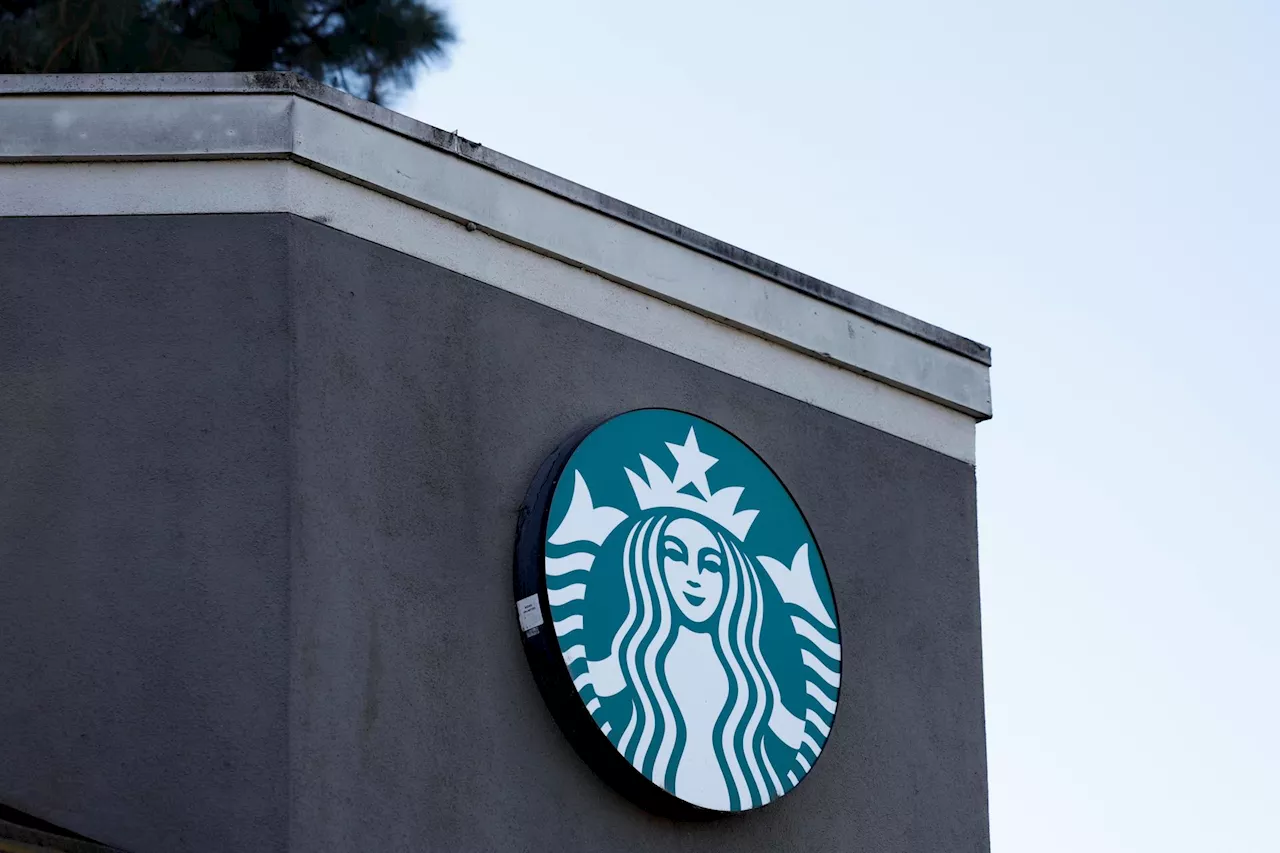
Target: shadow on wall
(22,833)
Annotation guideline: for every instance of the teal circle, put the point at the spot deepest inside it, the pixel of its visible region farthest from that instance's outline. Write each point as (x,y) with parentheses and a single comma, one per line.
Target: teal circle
(733,632)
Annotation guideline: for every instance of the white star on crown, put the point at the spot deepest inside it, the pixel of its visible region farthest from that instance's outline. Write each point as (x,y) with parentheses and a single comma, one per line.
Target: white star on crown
(656,489)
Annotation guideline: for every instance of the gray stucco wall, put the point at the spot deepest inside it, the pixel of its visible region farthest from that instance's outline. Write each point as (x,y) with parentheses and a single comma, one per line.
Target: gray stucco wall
(260,484)
(144,529)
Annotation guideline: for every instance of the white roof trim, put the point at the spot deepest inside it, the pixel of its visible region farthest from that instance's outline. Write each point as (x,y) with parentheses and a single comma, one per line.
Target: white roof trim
(277,186)
(176,119)
(268,82)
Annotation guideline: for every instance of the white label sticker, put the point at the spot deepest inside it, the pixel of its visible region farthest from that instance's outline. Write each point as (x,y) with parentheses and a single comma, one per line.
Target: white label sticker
(530,613)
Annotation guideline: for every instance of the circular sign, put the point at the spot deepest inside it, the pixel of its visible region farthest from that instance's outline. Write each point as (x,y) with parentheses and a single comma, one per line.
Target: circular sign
(677,614)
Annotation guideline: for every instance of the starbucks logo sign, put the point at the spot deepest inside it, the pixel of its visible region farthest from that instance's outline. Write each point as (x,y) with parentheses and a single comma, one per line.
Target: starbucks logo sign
(677,614)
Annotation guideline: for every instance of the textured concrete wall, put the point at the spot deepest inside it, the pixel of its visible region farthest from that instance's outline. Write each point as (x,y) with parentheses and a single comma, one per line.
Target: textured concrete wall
(365,512)
(144,539)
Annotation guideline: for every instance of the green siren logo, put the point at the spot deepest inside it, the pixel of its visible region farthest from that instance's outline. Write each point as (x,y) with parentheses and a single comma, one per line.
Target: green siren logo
(692,623)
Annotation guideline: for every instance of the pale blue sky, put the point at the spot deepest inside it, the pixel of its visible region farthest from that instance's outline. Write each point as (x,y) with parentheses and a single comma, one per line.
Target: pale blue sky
(1093,189)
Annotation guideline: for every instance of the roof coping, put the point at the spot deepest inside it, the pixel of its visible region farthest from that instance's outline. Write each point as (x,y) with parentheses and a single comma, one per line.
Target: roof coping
(304,87)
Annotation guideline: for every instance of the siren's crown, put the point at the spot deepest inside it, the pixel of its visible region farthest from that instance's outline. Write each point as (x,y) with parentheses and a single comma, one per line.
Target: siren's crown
(656,489)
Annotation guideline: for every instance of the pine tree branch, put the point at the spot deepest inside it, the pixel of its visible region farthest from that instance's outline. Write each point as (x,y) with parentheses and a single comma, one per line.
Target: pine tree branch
(73,37)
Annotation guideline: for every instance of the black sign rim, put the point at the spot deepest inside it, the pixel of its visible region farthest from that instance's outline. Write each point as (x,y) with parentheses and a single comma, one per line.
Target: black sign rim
(546,662)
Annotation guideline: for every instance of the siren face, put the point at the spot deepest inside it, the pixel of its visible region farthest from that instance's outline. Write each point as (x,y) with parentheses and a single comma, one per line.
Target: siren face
(692,565)
(694,622)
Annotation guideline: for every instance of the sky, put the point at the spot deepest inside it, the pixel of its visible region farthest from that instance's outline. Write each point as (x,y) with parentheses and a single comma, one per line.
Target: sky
(1093,189)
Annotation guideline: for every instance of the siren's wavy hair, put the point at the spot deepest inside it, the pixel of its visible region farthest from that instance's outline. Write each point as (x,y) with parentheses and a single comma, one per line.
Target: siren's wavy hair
(654,739)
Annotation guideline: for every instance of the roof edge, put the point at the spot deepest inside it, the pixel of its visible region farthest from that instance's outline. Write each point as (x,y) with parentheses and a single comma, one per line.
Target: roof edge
(273,82)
